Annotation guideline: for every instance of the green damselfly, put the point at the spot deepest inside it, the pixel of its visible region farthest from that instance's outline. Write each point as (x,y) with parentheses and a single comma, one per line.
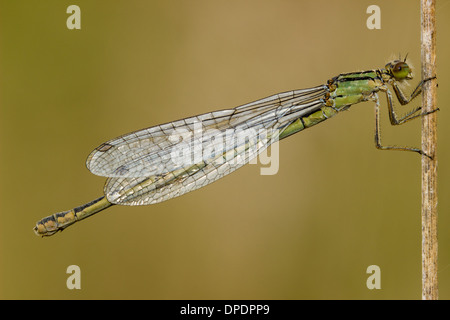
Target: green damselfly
(144,167)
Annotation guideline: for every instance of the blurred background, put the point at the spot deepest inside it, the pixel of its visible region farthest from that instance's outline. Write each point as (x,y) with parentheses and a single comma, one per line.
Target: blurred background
(336,206)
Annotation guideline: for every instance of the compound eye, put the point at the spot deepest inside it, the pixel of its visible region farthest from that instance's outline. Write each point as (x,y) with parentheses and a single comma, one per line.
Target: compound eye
(400,70)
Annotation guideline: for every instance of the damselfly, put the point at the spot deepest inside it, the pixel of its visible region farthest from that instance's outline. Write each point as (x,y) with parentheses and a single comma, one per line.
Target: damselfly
(145,167)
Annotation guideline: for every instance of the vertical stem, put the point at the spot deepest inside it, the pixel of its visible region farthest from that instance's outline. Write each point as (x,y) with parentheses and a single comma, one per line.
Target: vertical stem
(429,166)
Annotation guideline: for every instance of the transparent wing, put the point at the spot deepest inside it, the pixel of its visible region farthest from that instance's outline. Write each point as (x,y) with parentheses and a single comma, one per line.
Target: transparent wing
(154,189)
(168,147)
(145,173)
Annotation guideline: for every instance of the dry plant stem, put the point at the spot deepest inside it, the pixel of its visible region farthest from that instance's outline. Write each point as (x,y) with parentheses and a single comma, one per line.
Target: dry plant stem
(429,166)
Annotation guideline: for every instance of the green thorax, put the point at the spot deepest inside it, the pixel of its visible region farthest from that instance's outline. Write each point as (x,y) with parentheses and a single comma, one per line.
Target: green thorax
(343,91)
(350,88)
(347,89)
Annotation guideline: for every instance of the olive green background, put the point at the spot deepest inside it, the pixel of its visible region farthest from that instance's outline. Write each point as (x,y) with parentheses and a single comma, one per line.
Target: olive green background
(336,206)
